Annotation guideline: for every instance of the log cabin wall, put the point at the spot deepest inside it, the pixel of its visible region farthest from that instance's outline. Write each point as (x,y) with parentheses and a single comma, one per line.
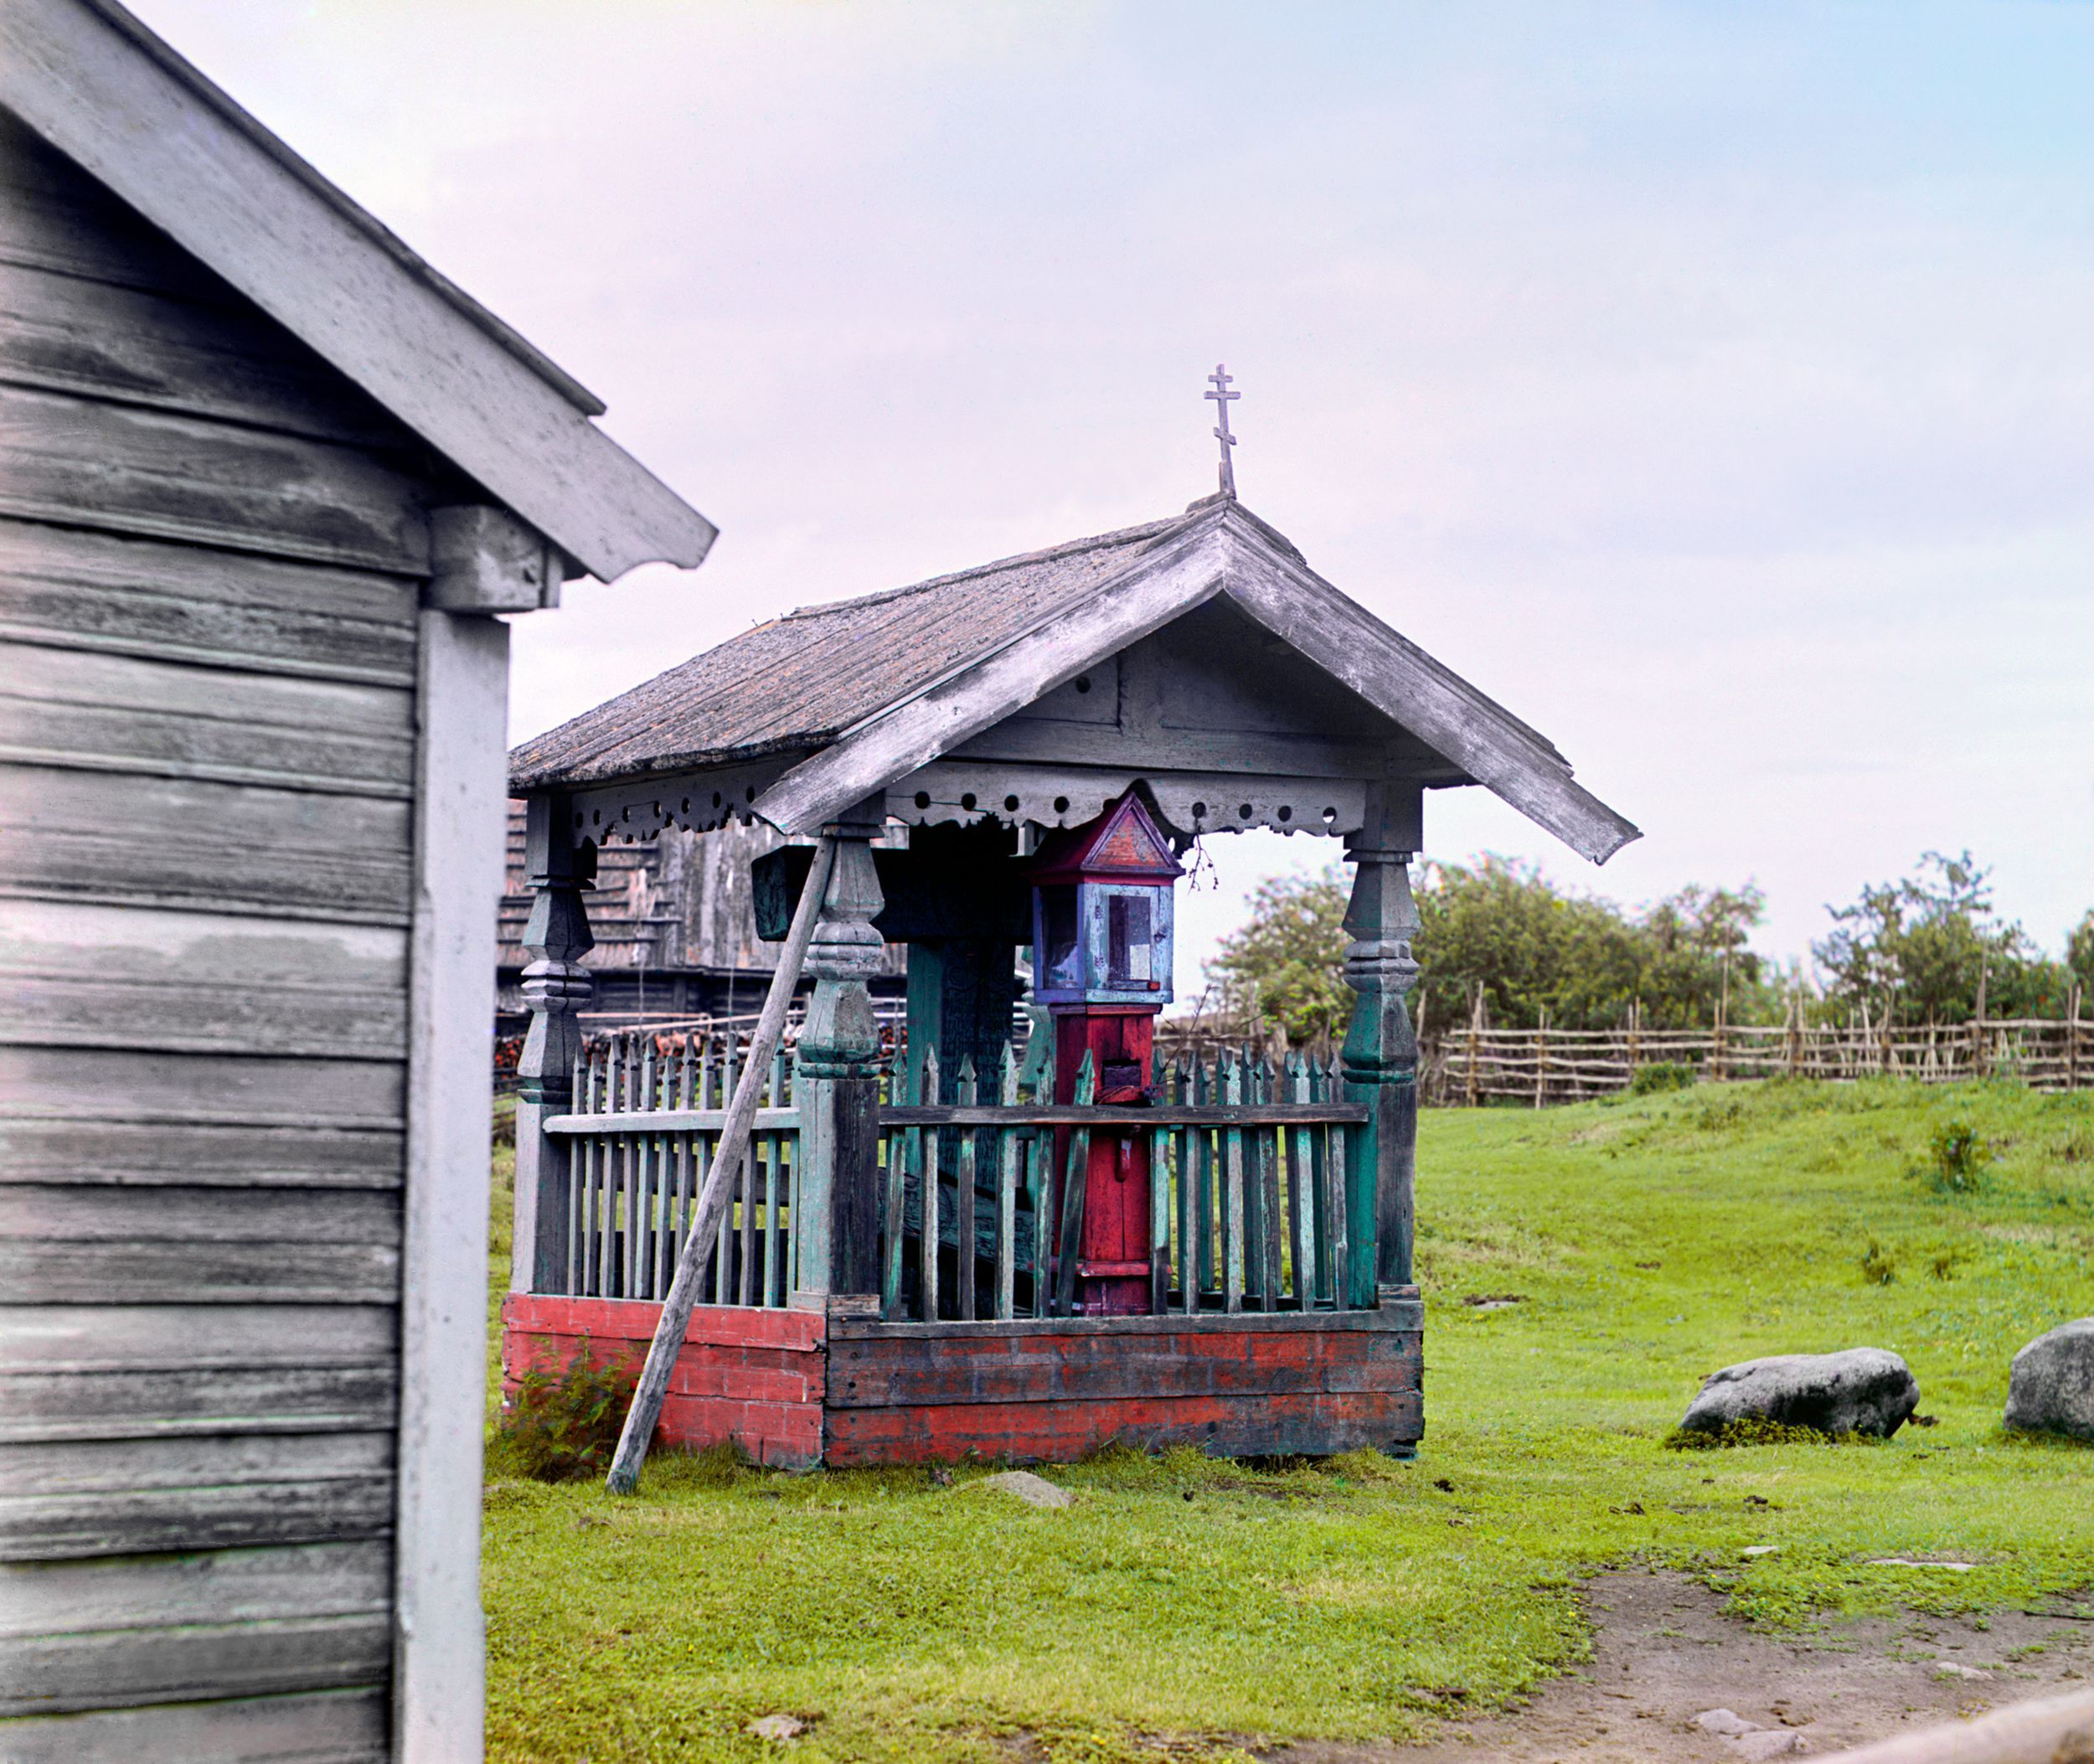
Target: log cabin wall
(675,925)
(211,549)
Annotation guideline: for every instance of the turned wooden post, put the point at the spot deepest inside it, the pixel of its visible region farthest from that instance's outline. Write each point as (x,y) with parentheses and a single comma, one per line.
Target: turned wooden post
(1381,1056)
(555,987)
(836,1079)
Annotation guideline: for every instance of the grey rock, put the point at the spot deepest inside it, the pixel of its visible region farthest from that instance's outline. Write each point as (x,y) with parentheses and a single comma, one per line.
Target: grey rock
(1728,1722)
(1035,1491)
(1859,1390)
(778,1727)
(1770,1742)
(2052,1387)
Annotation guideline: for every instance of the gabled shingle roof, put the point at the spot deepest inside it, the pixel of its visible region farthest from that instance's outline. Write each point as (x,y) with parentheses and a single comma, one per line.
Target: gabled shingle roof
(861,693)
(799,682)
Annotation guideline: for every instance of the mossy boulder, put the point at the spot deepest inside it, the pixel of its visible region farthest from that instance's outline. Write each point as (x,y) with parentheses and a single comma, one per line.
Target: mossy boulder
(1857,1391)
(2050,1389)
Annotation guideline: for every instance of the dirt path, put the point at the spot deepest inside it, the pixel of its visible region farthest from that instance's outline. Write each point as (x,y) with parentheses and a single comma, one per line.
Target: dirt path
(1664,1652)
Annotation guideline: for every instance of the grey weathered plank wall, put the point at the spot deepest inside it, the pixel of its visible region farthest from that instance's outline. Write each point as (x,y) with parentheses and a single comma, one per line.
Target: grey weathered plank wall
(209,549)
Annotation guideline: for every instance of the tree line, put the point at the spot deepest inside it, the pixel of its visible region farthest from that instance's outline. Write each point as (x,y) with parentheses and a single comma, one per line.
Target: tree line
(1927,947)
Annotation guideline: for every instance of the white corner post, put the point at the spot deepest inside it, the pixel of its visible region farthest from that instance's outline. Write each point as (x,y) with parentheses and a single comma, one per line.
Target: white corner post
(460,831)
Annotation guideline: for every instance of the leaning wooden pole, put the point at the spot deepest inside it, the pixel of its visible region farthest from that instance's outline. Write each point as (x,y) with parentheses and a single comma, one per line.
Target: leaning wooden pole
(719,1185)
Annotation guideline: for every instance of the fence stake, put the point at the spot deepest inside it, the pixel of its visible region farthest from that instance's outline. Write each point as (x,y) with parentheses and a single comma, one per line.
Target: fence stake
(641,1419)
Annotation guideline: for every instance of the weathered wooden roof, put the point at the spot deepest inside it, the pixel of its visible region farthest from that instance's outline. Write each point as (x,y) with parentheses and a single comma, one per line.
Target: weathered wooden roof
(90,78)
(867,690)
(799,682)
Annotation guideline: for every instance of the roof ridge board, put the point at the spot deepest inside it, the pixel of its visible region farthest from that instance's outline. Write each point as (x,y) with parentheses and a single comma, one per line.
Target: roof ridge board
(1129,598)
(1068,548)
(1046,617)
(134,31)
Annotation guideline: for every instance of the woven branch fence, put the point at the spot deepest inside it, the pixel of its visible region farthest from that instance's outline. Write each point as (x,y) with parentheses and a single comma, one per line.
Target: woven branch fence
(1477,1064)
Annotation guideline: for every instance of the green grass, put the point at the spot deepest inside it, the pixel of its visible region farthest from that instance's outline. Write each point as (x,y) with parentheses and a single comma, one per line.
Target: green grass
(1653,1239)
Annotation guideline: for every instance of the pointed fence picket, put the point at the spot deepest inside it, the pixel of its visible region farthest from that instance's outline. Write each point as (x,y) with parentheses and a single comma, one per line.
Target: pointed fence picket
(981,1183)
(648,1112)
(1246,1188)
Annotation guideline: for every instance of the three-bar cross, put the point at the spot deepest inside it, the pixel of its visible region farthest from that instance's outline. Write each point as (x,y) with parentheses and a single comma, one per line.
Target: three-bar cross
(1221,394)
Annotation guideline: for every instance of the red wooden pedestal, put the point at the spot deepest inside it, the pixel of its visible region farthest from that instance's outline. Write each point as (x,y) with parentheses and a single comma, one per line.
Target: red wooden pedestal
(1112,1267)
(796,1388)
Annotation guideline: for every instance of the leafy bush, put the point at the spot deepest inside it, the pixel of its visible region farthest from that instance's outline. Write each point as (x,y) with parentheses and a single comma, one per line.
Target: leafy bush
(1959,1157)
(563,1425)
(1878,1269)
(1660,1076)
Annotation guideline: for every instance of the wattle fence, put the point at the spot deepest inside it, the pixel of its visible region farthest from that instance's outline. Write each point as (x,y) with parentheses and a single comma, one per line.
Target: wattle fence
(1477,1064)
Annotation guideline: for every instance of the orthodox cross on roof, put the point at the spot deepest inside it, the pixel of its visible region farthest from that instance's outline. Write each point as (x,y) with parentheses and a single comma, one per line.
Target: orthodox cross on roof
(1221,394)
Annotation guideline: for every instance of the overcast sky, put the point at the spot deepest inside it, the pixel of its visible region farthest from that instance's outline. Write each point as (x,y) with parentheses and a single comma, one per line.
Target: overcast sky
(1713,385)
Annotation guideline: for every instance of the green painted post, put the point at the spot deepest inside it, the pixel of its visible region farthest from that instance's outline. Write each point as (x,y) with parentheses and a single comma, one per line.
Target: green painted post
(1380,1056)
(836,1078)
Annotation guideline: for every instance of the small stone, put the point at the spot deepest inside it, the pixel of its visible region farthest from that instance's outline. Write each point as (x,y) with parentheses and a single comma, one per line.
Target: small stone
(1859,1390)
(1770,1742)
(1728,1722)
(779,1727)
(1035,1491)
(1949,1669)
(2051,1387)
(1761,1550)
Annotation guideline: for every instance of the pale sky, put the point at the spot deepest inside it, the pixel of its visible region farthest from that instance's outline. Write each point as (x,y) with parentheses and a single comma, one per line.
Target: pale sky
(1713,385)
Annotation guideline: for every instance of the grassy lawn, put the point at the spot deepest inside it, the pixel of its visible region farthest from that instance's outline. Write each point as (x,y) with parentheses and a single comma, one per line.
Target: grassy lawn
(1651,1240)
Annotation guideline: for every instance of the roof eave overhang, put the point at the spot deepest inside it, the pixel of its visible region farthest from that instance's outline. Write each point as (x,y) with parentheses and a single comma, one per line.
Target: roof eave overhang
(105,91)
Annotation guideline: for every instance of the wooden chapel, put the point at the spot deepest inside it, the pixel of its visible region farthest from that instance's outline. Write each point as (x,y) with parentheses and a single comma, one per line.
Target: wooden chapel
(1017,1254)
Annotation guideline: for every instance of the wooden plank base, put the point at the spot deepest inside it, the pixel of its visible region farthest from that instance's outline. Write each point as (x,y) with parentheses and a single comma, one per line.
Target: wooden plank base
(796,1388)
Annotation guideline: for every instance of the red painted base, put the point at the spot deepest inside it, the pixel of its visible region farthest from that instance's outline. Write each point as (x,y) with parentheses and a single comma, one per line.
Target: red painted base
(794,1388)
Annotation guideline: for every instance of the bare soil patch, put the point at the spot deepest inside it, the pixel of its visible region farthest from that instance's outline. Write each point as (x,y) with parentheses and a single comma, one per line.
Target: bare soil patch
(1664,1651)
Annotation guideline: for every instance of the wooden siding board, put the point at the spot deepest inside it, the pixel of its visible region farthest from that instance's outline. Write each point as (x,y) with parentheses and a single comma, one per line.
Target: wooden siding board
(200,1587)
(59,1339)
(329,1727)
(117,467)
(83,1083)
(70,708)
(117,1467)
(149,1521)
(86,835)
(225,360)
(102,1670)
(1279,1424)
(140,596)
(67,1244)
(218,1399)
(90,975)
(236,1156)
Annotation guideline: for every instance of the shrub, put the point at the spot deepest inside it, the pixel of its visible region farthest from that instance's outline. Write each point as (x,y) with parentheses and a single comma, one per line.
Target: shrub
(1660,1076)
(1958,1157)
(1878,1269)
(563,1424)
